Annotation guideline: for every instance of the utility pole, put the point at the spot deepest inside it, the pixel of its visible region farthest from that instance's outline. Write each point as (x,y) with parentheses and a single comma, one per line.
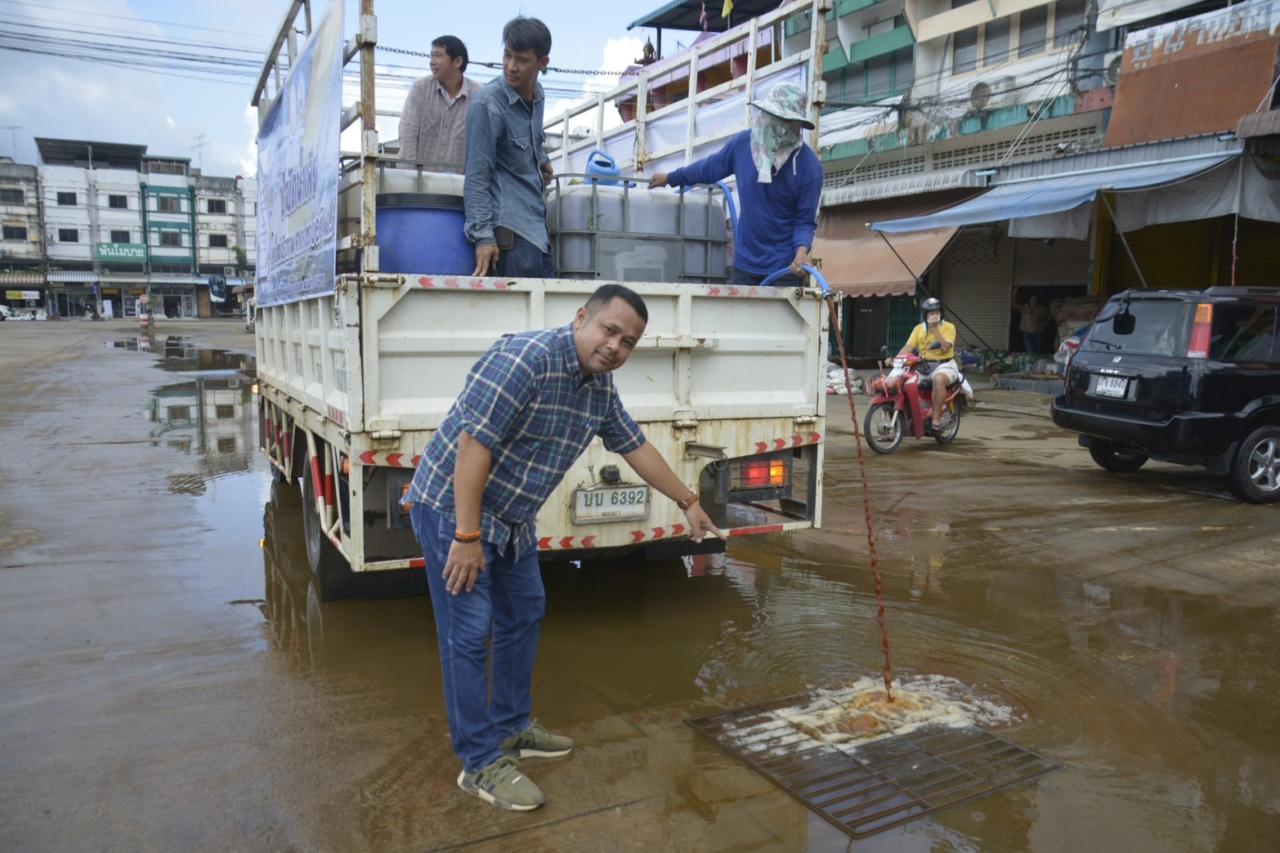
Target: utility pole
(13,137)
(198,143)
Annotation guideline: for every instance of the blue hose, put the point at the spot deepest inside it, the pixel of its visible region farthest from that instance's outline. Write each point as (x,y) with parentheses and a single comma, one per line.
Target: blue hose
(733,207)
(822,282)
(728,197)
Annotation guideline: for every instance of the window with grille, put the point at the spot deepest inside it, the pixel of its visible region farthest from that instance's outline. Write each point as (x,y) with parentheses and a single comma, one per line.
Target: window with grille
(119,236)
(995,42)
(224,412)
(68,235)
(168,204)
(67,199)
(217,241)
(118,202)
(12,197)
(1033,27)
(171,238)
(964,51)
(15,232)
(217,205)
(1068,22)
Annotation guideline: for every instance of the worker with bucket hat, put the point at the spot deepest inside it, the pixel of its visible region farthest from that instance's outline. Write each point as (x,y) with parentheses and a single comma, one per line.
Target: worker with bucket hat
(779,181)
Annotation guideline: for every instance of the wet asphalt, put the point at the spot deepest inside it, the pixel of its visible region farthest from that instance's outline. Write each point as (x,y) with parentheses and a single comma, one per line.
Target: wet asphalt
(169,678)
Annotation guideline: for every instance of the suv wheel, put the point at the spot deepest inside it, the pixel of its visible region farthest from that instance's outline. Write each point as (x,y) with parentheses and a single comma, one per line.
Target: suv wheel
(1116,458)
(1255,476)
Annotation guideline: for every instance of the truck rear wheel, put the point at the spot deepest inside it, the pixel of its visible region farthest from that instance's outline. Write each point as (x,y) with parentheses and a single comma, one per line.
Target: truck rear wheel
(327,563)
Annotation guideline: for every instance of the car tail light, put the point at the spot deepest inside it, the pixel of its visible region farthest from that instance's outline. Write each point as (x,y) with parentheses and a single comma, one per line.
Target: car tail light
(1201,331)
(760,474)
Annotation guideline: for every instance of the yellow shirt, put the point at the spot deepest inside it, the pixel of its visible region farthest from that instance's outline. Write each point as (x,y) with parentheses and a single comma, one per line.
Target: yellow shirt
(923,342)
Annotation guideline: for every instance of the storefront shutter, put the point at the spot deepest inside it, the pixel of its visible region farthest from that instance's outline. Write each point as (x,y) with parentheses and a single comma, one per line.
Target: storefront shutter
(976,286)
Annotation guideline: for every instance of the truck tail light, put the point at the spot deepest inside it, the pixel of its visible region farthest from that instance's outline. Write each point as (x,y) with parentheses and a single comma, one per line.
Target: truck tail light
(1201,331)
(761,474)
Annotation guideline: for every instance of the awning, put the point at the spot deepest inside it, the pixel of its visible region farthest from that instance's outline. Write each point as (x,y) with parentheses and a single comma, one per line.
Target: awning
(834,192)
(685,14)
(1042,196)
(859,262)
(1246,186)
(74,277)
(1117,13)
(33,278)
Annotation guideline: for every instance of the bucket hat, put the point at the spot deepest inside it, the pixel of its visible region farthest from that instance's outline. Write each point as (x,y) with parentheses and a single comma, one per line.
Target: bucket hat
(785,101)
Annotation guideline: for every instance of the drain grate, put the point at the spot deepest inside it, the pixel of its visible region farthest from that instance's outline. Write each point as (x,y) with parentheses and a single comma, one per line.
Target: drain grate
(882,784)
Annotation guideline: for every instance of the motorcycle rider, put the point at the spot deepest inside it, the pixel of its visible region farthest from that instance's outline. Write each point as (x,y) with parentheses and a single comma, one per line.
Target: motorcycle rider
(935,341)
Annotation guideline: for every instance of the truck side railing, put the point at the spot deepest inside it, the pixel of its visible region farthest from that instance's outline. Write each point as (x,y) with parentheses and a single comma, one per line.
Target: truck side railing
(779,45)
(785,44)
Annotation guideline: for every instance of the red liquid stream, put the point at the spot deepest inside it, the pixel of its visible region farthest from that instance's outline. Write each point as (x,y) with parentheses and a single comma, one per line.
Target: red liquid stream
(866,505)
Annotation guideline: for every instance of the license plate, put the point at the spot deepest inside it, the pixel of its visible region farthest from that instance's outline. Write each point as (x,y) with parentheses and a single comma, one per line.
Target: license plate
(610,503)
(1112,386)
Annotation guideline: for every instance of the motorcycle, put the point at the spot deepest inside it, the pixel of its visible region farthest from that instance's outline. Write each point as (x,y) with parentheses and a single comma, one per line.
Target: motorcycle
(902,403)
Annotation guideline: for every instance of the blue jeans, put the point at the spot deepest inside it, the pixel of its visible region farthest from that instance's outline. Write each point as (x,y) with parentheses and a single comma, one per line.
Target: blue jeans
(1031,342)
(525,260)
(508,602)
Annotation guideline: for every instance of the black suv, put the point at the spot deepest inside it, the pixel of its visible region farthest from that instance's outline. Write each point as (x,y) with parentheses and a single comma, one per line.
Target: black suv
(1182,376)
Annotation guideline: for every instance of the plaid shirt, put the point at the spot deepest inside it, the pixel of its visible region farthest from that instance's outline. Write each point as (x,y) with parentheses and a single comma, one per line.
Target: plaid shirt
(528,402)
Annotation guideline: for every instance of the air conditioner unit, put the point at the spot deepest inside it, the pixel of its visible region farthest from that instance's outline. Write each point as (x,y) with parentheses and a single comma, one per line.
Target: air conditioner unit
(1111,66)
(229,272)
(994,93)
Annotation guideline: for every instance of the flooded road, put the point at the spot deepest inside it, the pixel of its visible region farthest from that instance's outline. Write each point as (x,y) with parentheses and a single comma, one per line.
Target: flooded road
(171,679)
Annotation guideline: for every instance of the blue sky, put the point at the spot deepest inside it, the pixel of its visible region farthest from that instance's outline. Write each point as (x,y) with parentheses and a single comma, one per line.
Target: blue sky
(60,97)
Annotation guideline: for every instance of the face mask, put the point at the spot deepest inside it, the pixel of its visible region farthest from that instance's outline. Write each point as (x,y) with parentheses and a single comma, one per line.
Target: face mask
(772,141)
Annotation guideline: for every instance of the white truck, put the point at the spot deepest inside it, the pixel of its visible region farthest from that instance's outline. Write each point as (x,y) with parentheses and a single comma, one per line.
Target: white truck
(727,382)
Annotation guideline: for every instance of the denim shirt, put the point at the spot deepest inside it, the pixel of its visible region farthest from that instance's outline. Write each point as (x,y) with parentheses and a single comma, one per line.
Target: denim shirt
(505,154)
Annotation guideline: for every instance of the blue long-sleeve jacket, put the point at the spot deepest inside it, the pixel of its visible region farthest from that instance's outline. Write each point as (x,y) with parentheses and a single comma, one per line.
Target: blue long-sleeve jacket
(775,219)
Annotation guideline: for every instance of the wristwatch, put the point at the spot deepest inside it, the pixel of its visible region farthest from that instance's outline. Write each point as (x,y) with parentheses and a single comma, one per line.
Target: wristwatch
(688,502)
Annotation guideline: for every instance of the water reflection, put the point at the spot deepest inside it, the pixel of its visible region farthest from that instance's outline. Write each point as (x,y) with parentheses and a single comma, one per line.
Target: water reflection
(211,417)
(1163,705)
(181,354)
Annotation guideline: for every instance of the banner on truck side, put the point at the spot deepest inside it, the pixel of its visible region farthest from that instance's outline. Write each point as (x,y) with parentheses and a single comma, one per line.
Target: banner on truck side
(298,173)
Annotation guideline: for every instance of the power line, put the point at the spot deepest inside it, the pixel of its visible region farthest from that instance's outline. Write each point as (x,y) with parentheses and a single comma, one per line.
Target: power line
(45,7)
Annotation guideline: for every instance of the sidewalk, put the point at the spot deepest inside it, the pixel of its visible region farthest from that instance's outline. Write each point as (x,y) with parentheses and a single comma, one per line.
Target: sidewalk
(989,398)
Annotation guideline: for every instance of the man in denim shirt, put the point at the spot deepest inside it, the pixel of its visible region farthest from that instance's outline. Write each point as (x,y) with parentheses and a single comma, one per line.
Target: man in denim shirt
(507,166)
(528,410)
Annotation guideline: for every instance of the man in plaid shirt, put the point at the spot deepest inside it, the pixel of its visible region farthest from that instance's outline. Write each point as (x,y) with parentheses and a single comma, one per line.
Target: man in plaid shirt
(529,408)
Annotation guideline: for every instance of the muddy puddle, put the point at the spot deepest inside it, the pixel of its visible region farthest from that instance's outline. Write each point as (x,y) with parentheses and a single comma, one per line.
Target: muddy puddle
(182,354)
(1162,706)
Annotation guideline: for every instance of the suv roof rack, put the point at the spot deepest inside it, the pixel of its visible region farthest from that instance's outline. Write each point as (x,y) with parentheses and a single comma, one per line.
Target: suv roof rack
(1273,290)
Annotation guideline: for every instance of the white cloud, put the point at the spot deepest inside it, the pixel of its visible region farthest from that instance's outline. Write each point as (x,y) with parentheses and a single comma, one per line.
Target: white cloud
(617,55)
(173,125)
(247,158)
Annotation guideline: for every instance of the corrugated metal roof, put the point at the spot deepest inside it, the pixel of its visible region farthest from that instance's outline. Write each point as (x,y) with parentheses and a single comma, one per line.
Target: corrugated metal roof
(1195,93)
(1129,155)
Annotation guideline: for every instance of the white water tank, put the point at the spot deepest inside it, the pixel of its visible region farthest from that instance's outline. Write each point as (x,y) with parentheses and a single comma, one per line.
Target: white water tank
(617,233)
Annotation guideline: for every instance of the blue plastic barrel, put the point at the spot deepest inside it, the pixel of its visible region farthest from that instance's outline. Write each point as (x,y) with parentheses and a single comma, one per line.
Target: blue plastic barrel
(422,233)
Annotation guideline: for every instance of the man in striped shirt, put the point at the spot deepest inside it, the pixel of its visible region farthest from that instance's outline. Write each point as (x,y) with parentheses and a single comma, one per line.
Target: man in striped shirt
(529,408)
(433,125)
